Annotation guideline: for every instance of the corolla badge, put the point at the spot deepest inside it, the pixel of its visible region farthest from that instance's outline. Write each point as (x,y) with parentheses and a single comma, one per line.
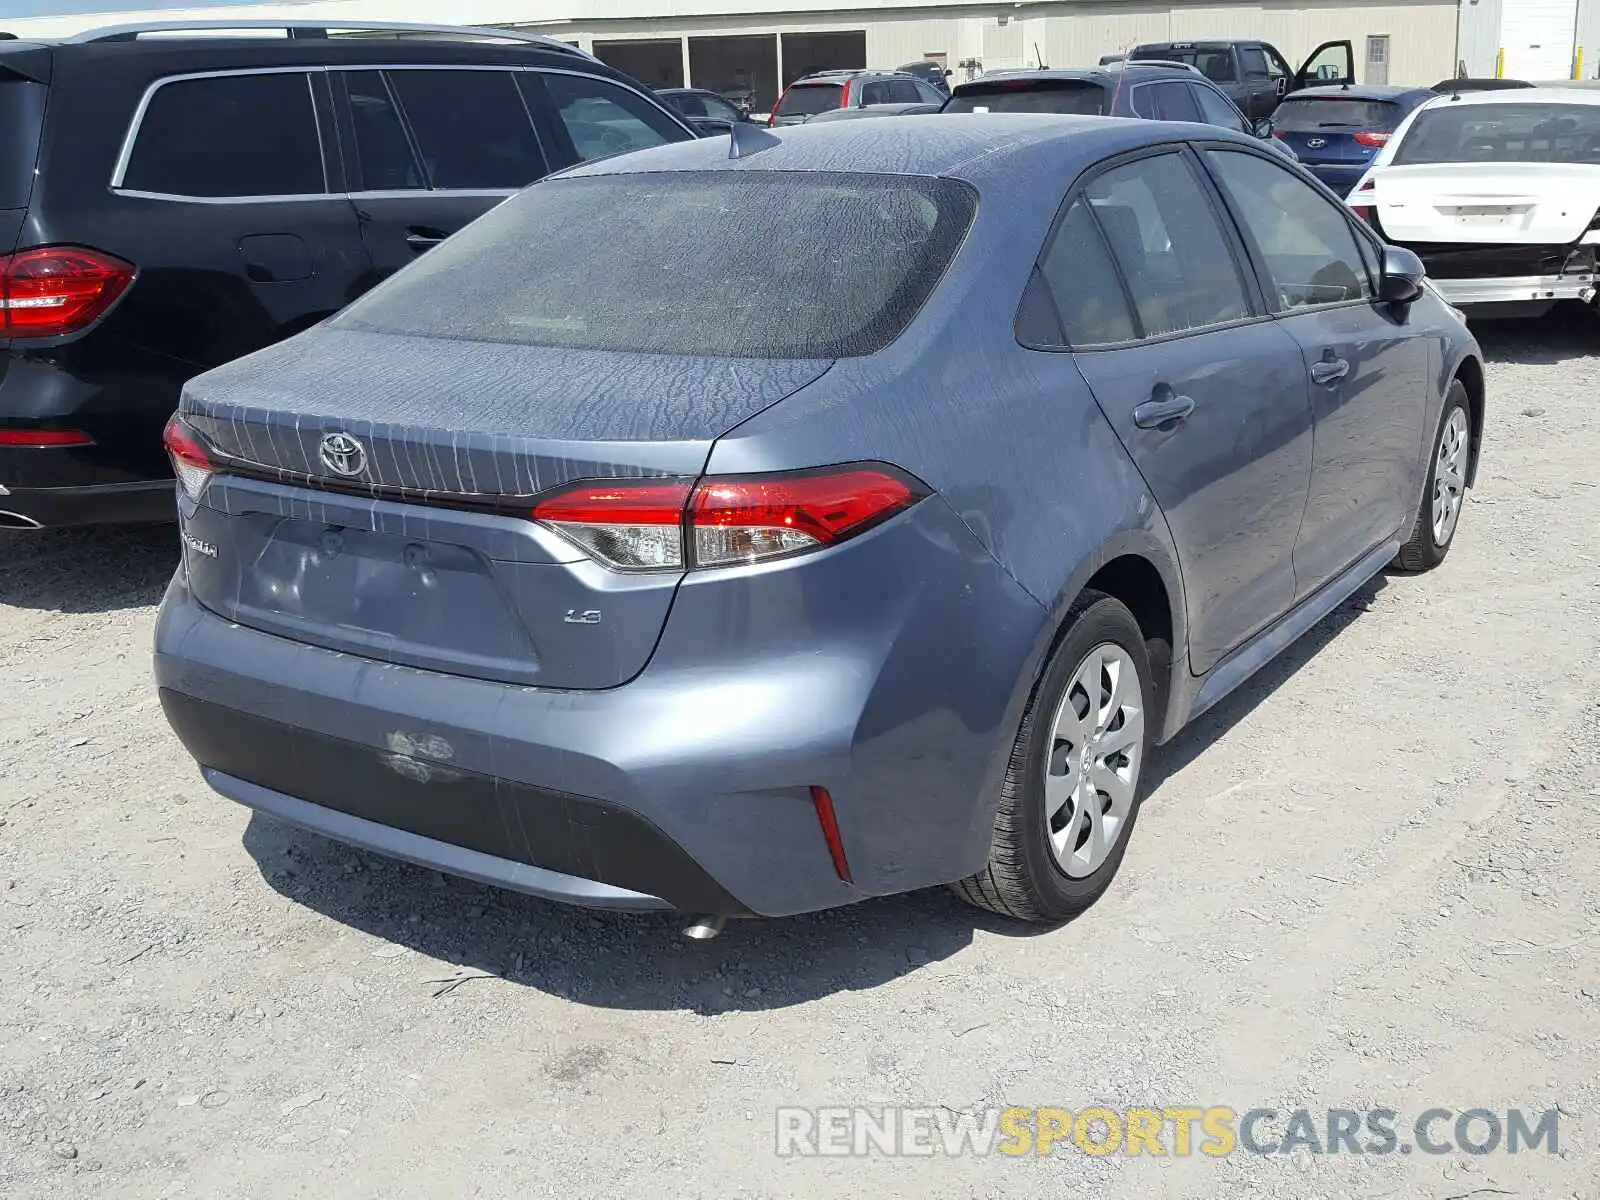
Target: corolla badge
(342,454)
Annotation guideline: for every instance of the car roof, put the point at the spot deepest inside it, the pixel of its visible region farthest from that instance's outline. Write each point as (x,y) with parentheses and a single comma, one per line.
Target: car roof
(835,76)
(1533,95)
(1359,91)
(1105,74)
(1200,44)
(976,147)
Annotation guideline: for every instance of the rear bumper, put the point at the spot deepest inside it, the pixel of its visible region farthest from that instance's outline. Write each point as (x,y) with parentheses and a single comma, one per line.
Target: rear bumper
(688,787)
(1340,179)
(1521,289)
(107,504)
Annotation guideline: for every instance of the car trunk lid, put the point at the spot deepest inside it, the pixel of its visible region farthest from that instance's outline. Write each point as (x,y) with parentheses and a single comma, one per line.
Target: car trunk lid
(1528,202)
(374,495)
(1334,130)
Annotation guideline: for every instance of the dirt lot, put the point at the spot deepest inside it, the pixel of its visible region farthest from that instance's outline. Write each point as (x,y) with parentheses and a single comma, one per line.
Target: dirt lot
(1373,880)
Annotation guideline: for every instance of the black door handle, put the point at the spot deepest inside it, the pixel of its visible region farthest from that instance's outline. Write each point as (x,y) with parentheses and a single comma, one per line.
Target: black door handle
(424,239)
(1163,413)
(1329,369)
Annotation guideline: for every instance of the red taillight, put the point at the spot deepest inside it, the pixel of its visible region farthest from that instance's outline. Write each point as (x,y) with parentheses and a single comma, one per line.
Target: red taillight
(1279,134)
(57,290)
(639,525)
(190,462)
(772,117)
(1363,211)
(844,94)
(44,437)
(1369,137)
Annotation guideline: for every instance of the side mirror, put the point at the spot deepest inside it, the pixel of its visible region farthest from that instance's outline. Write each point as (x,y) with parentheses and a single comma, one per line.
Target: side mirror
(1403,274)
(1264,127)
(948,73)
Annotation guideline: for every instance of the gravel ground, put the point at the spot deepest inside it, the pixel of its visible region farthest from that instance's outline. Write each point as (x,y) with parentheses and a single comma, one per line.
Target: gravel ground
(1371,880)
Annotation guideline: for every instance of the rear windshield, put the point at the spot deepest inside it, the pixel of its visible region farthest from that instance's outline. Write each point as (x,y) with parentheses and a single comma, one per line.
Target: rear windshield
(1503,133)
(809,99)
(749,264)
(1214,62)
(1030,96)
(1335,113)
(21,115)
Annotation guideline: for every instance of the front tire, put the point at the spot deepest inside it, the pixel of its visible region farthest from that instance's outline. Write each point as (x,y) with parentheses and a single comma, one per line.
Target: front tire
(1074,783)
(1444,496)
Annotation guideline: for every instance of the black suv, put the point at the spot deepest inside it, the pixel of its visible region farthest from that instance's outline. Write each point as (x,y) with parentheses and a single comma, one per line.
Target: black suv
(1253,73)
(170,203)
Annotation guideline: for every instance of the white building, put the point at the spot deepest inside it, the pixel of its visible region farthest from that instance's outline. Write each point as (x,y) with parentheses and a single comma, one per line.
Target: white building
(731,45)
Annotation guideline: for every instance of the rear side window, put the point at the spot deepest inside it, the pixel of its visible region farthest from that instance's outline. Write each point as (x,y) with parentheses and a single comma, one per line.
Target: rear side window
(472,128)
(384,158)
(603,119)
(728,264)
(21,115)
(1079,279)
(1214,62)
(809,99)
(229,135)
(1164,235)
(1309,113)
(689,104)
(1075,96)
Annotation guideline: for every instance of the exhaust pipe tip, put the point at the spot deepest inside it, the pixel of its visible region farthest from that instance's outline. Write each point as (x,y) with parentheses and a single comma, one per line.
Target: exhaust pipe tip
(704,928)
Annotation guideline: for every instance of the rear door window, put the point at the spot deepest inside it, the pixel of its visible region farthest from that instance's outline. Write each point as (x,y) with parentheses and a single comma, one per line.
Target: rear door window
(1165,237)
(602,118)
(1306,243)
(21,116)
(471,127)
(229,135)
(726,264)
(1077,96)
(385,161)
(809,99)
(1167,101)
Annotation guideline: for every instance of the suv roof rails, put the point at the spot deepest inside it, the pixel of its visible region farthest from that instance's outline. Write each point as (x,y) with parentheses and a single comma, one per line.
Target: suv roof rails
(319,29)
(1129,63)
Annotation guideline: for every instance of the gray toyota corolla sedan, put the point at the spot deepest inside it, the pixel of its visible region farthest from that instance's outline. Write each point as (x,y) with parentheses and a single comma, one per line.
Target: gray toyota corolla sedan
(752,527)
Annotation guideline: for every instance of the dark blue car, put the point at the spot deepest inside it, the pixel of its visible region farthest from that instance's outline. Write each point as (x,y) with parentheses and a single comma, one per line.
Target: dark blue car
(1336,131)
(856,516)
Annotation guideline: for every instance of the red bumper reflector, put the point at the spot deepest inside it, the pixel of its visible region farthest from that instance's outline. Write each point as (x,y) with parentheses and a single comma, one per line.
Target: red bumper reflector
(44,437)
(830,832)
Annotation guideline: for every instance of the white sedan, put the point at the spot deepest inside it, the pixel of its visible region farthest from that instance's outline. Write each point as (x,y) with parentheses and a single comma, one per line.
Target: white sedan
(1498,193)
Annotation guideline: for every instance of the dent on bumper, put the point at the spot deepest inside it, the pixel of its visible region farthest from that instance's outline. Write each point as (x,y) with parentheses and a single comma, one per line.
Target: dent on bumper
(893,692)
(1516,289)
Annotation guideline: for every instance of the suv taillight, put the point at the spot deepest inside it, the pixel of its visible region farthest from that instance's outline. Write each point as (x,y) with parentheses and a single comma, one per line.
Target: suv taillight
(844,94)
(1369,137)
(57,290)
(1364,191)
(671,525)
(190,462)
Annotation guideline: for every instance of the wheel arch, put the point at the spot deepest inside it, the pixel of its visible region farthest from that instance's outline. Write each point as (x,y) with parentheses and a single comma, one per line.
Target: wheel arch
(1470,372)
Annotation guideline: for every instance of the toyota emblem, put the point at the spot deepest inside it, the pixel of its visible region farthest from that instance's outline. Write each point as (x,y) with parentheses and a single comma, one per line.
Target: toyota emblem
(342,454)
(1316,143)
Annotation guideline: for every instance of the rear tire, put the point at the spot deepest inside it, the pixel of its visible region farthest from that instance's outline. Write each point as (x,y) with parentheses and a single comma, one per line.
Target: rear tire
(1052,854)
(1445,493)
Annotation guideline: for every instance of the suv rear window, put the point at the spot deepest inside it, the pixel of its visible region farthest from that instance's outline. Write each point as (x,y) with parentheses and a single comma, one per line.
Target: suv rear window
(809,99)
(728,264)
(1503,133)
(1079,96)
(229,135)
(1315,112)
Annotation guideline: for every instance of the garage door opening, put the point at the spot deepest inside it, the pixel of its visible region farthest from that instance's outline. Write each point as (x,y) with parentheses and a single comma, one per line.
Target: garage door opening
(655,64)
(744,69)
(807,53)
